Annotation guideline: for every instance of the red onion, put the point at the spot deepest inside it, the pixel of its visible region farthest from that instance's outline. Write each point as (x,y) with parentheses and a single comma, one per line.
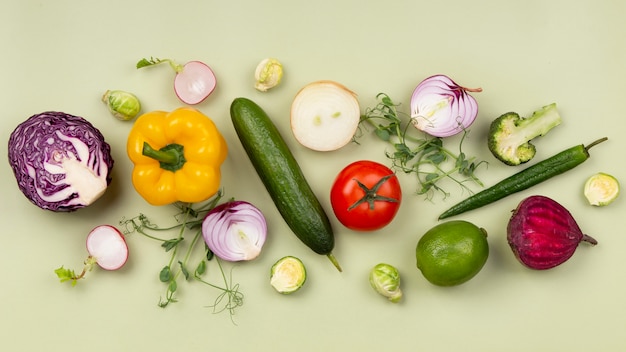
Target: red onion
(442,108)
(235,231)
(543,234)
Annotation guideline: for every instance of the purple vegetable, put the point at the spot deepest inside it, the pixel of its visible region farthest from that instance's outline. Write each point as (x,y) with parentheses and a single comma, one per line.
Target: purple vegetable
(442,108)
(235,231)
(61,162)
(543,234)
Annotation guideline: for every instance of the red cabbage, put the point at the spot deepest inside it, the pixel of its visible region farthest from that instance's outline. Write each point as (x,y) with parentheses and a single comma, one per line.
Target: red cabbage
(61,162)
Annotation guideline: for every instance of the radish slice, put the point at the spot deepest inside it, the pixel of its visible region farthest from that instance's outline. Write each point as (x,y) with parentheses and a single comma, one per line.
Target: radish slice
(194,83)
(194,80)
(106,244)
(325,115)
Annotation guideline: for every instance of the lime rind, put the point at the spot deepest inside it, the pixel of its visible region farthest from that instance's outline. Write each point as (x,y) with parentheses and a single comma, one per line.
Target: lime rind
(601,189)
(288,275)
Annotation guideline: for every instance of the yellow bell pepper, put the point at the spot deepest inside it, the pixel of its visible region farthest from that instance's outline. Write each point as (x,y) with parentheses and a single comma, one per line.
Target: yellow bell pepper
(177,156)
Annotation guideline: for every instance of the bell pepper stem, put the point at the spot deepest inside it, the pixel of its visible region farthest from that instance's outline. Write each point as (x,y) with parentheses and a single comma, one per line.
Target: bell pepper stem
(170,157)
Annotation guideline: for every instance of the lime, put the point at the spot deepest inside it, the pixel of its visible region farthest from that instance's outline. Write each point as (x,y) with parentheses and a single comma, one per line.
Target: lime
(451,253)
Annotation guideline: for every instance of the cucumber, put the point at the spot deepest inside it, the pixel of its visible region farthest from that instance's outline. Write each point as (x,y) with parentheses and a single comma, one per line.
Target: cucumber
(282,177)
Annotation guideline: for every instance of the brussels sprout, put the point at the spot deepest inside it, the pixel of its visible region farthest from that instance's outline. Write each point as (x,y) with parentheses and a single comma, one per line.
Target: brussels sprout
(287,275)
(123,105)
(268,74)
(385,279)
(601,189)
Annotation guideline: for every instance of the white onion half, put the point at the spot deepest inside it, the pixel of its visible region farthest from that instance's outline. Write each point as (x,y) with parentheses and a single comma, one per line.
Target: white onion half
(235,231)
(325,115)
(442,108)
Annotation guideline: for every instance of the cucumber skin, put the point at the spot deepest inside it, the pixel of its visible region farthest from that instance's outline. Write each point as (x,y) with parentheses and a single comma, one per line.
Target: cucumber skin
(282,176)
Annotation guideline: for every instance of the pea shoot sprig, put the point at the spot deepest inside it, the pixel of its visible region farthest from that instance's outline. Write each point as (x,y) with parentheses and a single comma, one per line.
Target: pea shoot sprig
(425,157)
(188,219)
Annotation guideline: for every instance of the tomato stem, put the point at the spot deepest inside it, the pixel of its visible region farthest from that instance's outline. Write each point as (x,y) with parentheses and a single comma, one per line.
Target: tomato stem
(371,195)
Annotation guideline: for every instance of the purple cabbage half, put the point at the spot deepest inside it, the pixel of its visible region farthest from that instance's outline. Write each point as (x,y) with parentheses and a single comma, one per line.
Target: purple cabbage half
(61,162)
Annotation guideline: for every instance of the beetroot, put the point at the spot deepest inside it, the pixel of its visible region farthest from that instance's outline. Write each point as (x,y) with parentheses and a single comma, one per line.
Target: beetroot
(543,234)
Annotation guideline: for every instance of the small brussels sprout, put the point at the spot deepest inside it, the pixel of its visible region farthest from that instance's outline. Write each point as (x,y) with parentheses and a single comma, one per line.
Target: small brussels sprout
(268,74)
(385,279)
(123,105)
(601,189)
(287,275)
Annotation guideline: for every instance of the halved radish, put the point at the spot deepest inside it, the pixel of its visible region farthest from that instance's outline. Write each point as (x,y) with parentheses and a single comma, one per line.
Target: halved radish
(194,81)
(325,115)
(107,246)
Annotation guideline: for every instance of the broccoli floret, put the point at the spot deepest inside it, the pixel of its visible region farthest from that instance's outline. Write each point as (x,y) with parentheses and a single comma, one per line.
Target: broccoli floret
(510,135)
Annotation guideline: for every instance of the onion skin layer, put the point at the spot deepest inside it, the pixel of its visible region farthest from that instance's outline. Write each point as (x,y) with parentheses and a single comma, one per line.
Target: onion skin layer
(543,234)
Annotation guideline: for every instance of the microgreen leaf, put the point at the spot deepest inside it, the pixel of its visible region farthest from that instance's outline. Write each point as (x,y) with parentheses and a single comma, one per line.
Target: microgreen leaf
(209,255)
(172,287)
(201,268)
(165,274)
(436,158)
(170,244)
(66,275)
(145,62)
(383,134)
(184,270)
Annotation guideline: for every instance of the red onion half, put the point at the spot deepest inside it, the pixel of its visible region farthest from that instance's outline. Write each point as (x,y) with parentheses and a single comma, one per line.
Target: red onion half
(235,231)
(442,108)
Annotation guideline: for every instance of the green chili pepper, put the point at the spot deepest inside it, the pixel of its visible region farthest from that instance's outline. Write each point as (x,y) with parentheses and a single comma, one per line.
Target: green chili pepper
(548,168)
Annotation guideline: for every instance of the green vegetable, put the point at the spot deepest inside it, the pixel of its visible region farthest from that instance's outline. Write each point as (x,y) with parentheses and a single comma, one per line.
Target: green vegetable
(70,275)
(426,157)
(510,135)
(268,74)
(282,177)
(601,189)
(555,165)
(123,105)
(288,275)
(385,279)
(188,219)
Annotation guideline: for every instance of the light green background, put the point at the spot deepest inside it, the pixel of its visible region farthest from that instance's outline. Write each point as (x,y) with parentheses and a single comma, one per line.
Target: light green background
(62,55)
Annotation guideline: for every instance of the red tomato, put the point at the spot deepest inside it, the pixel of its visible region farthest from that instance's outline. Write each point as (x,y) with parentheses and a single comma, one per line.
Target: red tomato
(365,196)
